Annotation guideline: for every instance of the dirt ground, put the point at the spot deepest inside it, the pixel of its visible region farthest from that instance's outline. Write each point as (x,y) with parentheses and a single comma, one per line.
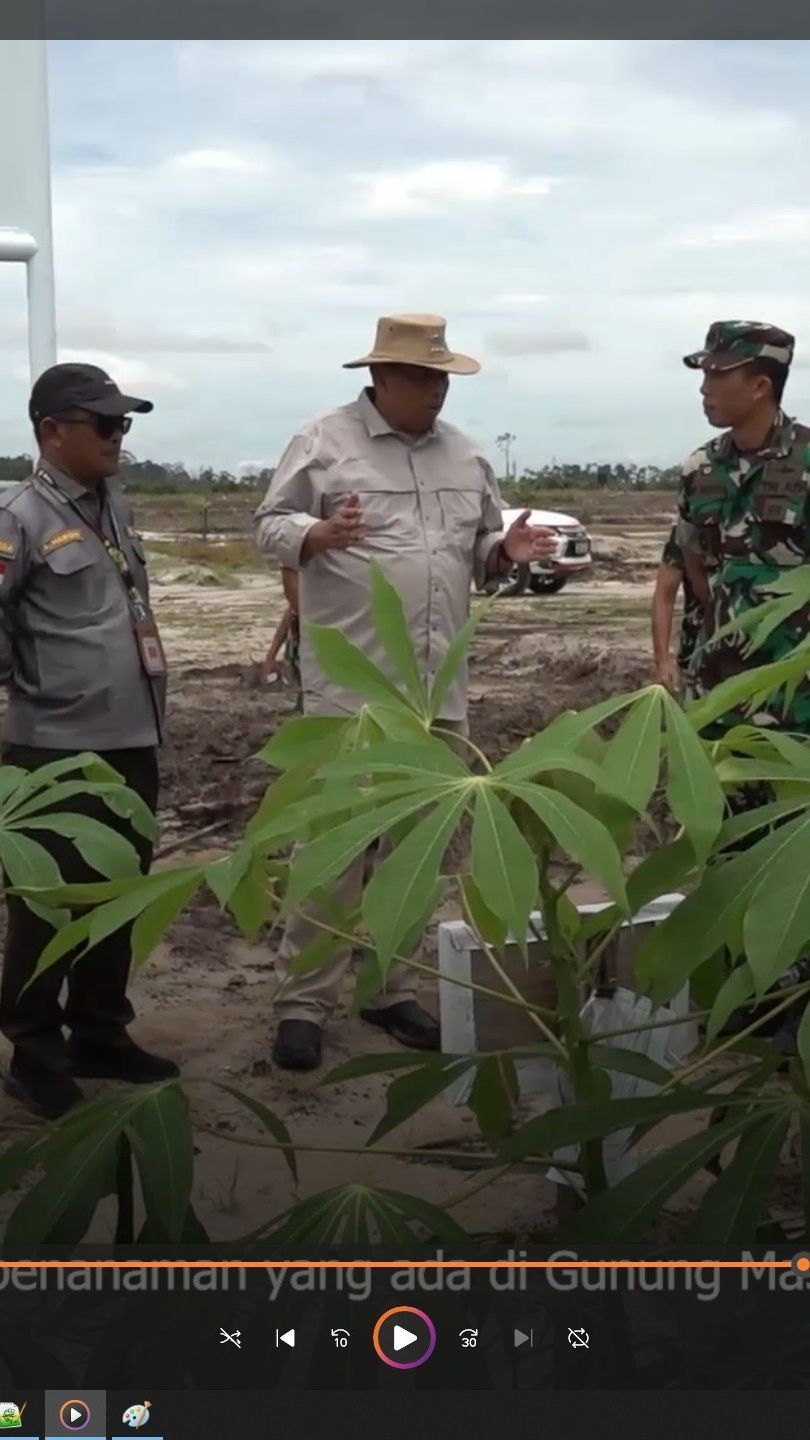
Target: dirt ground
(206,996)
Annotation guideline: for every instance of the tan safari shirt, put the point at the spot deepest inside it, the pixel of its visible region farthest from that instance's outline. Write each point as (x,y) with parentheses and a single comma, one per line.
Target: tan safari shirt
(68,654)
(432,513)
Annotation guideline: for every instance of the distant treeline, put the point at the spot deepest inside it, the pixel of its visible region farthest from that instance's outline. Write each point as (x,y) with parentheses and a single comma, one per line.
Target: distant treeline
(531,483)
(150,477)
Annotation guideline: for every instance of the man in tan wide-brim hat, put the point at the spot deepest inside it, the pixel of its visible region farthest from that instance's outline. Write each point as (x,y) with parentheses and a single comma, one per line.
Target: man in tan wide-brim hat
(383,477)
(415,340)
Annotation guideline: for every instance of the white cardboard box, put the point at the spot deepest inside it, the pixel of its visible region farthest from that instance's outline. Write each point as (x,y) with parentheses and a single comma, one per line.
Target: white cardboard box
(471,1022)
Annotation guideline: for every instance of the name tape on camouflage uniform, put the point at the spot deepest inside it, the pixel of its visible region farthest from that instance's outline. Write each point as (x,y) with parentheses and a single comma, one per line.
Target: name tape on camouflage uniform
(64,537)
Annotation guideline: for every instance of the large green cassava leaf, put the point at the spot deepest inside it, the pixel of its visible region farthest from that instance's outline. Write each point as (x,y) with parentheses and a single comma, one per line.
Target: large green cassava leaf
(776,925)
(78,1157)
(403,887)
(751,688)
(453,660)
(393,632)
(579,834)
(693,791)
(732,1207)
(622,1214)
(331,854)
(345,665)
(503,864)
(102,848)
(123,802)
(94,926)
(702,923)
(362,1215)
(160,1132)
(593,1120)
(632,758)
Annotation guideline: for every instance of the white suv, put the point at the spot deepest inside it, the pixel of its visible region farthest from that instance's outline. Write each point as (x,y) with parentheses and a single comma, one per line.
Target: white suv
(547,577)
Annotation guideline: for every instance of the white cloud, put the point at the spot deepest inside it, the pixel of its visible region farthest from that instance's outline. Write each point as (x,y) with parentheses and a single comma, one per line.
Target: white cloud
(207,61)
(440,185)
(507,302)
(538,342)
(213,162)
(213,181)
(84,332)
(779,227)
(127,373)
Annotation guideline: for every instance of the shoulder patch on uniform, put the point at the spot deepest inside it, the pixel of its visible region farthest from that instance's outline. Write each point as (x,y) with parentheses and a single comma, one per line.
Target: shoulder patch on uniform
(62,537)
(8,549)
(695,461)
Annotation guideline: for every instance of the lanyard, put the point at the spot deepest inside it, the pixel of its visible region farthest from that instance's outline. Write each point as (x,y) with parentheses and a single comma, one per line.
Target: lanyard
(114,548)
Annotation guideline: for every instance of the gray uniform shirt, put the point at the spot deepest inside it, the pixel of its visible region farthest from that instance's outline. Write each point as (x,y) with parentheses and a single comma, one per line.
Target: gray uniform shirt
(432,513)
(68,653)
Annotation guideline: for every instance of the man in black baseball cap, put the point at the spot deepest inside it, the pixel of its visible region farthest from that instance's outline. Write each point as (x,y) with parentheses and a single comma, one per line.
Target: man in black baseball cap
(80,417)
(83,387)
(82,660)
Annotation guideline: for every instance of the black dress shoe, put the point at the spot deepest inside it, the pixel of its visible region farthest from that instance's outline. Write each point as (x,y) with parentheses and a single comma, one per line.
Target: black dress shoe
(297,1045)
(46,1094)
(408,1023)
(119,1060)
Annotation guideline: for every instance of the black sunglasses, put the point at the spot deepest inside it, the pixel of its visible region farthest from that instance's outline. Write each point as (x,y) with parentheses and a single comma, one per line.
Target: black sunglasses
(105,426)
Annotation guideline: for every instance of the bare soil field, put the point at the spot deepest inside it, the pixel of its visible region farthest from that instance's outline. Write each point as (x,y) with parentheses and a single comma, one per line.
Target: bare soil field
(206,996)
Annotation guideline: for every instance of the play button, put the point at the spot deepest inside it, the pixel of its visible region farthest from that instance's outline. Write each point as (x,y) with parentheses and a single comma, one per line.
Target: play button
(74,1416)
(404,1329)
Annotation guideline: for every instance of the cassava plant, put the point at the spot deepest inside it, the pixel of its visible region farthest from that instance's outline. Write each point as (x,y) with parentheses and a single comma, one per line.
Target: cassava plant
(566,804)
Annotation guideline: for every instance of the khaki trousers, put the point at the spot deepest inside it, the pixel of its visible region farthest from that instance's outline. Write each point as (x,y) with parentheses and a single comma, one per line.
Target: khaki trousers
(313,996)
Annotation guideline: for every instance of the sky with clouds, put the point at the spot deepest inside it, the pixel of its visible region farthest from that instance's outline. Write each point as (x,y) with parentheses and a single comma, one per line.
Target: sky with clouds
(231,218)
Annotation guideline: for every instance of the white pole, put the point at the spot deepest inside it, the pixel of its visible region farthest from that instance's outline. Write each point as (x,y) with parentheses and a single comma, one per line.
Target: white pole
(41,301)
(25,192)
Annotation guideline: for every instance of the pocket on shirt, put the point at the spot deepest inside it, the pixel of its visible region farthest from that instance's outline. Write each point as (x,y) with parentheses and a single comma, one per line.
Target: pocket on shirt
(76,582)
(384,506)
(774,508)
(71,558)
(708,499)
(461,509)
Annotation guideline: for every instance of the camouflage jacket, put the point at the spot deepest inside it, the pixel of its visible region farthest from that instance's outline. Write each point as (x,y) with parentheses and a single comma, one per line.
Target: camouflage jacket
(748,516)
(692,618)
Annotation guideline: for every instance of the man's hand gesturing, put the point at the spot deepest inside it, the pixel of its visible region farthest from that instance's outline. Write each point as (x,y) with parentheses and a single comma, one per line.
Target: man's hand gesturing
(342,530)
(523,542)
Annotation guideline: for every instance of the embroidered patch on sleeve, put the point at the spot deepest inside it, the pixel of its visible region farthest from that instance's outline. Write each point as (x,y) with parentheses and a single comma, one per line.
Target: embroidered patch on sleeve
(64,537)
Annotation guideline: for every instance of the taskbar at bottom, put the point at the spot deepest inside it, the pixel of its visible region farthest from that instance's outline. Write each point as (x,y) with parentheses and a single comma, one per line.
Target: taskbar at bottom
(216,1414)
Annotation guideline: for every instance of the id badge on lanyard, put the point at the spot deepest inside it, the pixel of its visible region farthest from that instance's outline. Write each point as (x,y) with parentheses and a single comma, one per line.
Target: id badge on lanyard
(147,638)
(150,647)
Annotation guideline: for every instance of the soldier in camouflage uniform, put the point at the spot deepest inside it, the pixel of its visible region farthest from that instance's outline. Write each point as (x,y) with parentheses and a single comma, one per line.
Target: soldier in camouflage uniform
(744,521)
(743,505)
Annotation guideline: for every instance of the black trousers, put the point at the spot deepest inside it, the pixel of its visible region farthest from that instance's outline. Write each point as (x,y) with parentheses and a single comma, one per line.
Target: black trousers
(96,1006)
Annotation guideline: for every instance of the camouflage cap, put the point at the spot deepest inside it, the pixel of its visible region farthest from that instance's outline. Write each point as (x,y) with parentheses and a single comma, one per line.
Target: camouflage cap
(731,343)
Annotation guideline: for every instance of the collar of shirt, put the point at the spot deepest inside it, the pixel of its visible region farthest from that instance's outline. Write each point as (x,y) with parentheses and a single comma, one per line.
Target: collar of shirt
(777,445)
(92,495)
(377,425)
